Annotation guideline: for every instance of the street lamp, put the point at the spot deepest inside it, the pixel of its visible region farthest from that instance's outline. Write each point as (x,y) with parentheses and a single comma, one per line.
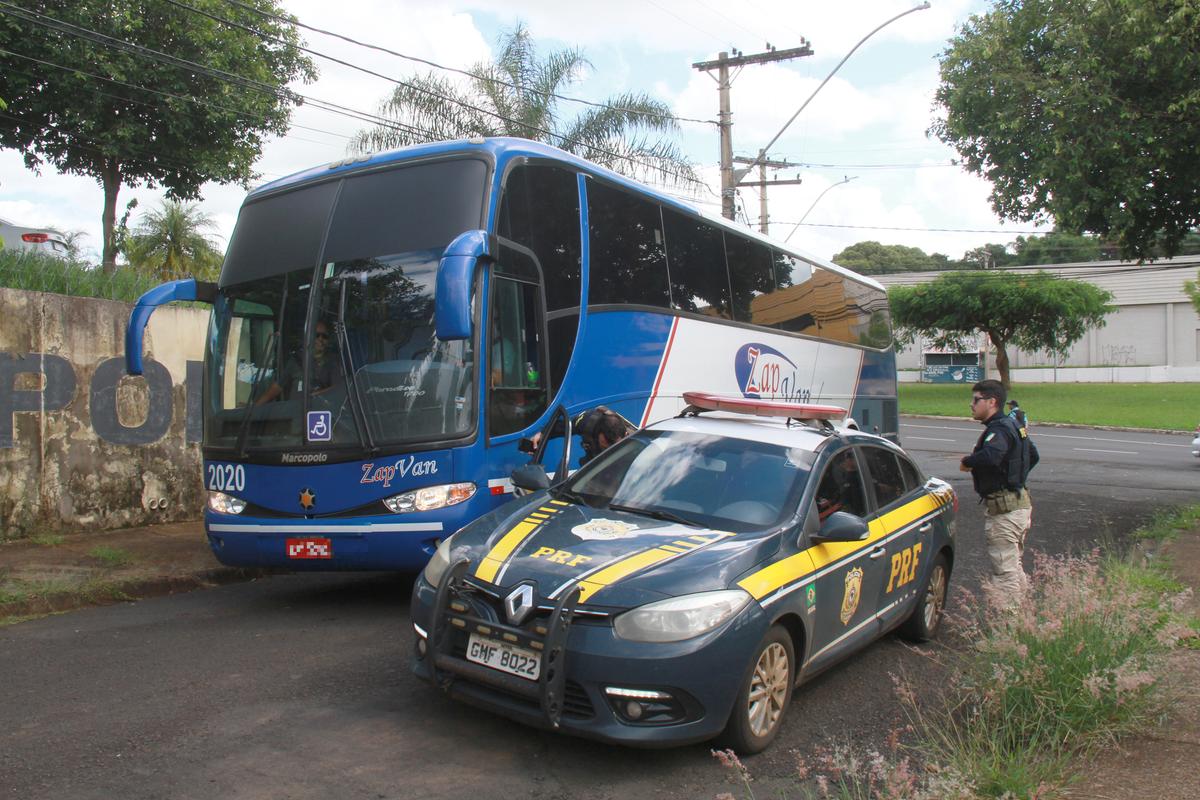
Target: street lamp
(738,174)
(796,227)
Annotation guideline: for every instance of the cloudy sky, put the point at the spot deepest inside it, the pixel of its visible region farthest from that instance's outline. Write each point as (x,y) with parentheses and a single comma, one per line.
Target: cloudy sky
(868,123)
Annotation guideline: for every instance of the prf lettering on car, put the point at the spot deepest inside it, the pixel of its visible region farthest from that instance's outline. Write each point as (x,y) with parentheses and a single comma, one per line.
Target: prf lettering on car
(556,556)
(904,566)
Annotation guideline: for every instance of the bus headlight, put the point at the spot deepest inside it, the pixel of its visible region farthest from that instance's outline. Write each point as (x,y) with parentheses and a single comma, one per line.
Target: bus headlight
(225,504)
(680,618)
(430,498)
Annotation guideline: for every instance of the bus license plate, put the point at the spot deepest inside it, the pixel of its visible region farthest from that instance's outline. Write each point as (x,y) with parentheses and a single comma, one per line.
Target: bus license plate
(504,657)
(310,547)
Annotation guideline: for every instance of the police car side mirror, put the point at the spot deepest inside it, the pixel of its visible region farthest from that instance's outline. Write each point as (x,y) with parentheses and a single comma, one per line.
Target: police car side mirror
(531,477)
(842,526)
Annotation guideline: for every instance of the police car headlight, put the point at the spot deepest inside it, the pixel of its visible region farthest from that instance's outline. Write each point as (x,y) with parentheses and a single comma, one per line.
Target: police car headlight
(225,504)
(680,618)
(440,562)
(430,498)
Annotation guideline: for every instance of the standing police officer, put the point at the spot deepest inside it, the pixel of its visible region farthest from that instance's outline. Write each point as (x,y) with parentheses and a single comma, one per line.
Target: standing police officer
(999,465)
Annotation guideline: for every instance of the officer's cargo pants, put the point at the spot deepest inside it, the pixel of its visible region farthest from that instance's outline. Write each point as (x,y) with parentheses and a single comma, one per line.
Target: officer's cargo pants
(1005,536)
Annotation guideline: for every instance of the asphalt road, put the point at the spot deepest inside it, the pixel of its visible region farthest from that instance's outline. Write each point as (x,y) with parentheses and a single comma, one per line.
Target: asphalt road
(297,686)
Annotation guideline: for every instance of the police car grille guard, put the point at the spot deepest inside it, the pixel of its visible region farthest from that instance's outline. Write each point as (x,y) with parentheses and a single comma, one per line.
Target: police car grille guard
(445,667)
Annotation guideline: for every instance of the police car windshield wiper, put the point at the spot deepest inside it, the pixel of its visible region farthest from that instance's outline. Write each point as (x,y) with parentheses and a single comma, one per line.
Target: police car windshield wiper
(567,494)
(656,513)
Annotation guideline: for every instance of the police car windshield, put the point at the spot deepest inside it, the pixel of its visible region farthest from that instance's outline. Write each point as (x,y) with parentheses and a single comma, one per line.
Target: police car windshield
(715,481)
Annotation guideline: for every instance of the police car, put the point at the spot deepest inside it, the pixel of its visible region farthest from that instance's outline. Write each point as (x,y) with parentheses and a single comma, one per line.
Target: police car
(683,582)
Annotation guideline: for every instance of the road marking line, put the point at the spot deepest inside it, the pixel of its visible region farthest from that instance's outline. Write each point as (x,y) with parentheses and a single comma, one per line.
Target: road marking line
(1039,434)
(928,439)
(1122,452)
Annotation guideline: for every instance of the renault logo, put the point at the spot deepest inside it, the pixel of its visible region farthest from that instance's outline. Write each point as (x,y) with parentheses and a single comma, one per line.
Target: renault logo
(519,603)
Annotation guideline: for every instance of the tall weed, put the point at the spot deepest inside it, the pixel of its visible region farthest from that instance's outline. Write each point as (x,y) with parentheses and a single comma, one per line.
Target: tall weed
(1076,666)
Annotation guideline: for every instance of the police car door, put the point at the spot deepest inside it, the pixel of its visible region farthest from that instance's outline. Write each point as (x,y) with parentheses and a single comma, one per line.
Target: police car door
(903,509)
(849,574)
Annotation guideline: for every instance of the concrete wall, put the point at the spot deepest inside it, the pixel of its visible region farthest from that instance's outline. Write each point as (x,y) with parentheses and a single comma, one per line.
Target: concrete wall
(83,446)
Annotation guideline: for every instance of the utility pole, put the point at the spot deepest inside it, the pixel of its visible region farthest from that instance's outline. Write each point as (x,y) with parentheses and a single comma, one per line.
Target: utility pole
(725,119)
(762,183)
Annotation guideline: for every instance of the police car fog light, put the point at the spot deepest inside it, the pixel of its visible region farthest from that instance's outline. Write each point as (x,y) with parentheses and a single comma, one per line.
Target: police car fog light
(225,504)
(430,498)
(421,647)
(645,706)
(634,710)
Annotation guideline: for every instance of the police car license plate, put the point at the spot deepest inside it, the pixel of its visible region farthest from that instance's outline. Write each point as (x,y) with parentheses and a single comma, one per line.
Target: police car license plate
(310,547)
(504,657)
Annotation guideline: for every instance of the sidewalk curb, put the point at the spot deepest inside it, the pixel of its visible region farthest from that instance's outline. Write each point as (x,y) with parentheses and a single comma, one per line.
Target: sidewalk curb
(132,589)
(1036,425)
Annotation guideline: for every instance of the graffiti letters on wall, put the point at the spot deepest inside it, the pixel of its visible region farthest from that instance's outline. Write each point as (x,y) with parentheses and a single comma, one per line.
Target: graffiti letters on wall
(57,379)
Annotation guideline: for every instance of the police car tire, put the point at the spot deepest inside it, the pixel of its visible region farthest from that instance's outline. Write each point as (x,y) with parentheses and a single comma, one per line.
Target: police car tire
(739,733)
(922,625)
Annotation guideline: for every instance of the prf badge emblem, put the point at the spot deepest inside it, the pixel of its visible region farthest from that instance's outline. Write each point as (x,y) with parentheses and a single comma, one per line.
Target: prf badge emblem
(853,593)
(604,530)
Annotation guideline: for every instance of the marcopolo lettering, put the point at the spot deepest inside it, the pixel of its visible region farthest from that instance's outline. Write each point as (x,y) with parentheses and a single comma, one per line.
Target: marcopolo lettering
(58,388)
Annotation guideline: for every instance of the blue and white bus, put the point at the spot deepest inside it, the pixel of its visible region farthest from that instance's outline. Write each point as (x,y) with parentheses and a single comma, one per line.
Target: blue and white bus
(386,329)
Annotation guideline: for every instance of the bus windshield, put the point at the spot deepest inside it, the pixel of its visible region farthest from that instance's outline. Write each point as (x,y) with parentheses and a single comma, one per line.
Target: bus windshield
(343,353)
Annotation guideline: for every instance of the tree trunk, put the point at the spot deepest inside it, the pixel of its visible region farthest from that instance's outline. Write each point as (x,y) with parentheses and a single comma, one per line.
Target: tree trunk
(111,178)
(1001,358)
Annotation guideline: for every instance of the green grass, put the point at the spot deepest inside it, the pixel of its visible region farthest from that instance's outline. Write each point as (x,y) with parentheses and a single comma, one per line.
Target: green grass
(111,556)
(47,539)
(1166,525)
(1171,406)
(39,272)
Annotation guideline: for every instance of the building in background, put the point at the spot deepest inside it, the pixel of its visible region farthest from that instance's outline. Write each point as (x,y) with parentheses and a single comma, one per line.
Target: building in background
(1153,336)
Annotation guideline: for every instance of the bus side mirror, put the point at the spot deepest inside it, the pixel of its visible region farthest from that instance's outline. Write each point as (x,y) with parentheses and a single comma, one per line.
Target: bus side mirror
(135,331)
(455,274)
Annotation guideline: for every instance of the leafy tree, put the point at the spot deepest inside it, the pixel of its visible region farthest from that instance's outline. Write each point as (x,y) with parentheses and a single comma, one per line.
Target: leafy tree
(1192,288)
(174,241)
(147,119)
(988,256)
(1057,247)
(1032,312)
(515,96)
(1085,112)
(873,258)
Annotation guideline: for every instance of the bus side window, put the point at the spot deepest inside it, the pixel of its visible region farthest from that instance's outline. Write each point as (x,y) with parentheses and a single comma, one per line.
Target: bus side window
(750,277)
(516,362)
(540,210)
(628,258)
(696,263)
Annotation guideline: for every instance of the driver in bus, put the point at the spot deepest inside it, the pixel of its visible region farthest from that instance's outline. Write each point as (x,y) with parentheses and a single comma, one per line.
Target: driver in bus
(326,369)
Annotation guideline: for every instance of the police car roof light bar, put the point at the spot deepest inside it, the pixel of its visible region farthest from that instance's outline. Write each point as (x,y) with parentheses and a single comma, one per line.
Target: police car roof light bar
(702,401)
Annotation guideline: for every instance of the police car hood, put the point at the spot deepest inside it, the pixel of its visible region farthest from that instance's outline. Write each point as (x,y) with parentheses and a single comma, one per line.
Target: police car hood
(618,558)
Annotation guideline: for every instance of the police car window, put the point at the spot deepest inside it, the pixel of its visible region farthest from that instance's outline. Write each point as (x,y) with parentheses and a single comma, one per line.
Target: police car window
(841,487)
(912,475)
(886,477)
(718,482)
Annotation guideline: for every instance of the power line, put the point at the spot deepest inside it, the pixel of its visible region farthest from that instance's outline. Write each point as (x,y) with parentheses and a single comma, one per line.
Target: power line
(146,52)
(895,228)
(464,72)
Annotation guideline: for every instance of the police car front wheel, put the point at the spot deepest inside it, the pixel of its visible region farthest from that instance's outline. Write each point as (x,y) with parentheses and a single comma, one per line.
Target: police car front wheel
(927,614)
(766,689)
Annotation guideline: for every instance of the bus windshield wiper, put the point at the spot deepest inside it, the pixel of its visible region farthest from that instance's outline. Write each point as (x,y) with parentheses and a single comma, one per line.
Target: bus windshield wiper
(349,378)
(259,374)
(656,513)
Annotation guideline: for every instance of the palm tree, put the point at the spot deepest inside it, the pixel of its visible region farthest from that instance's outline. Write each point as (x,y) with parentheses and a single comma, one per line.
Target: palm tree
(173,241)
(517,95)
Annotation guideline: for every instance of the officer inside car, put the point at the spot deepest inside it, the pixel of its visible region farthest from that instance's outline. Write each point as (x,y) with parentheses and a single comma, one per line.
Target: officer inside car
(999,466)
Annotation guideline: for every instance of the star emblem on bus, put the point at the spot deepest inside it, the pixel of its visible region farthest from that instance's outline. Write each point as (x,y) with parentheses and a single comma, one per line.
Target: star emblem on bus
(307,499)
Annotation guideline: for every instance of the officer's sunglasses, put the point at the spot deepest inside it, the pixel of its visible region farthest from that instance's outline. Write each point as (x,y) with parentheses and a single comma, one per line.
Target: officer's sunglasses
(975,400)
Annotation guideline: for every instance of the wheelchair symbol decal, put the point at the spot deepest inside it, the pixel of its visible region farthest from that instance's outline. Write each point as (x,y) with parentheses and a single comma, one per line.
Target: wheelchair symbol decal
(320,426)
